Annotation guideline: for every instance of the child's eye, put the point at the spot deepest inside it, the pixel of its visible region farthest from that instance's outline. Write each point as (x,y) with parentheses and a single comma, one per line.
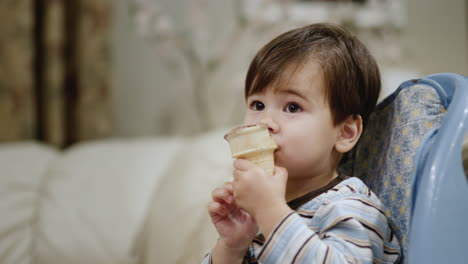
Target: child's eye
(293,108)
(257,106)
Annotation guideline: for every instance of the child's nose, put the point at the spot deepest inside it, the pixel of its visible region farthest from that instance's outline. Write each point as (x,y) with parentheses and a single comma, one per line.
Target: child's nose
(272,126)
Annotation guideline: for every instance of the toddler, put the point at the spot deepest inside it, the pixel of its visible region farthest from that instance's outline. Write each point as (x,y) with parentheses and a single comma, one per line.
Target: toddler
(314,88)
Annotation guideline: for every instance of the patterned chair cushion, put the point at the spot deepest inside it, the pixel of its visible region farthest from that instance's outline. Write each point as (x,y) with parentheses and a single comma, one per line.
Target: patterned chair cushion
(385,155)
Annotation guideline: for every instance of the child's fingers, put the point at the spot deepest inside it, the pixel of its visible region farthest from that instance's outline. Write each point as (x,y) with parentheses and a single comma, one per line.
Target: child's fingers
(228,186)
(280,172)
(243,164)
(222,195)
(216,210)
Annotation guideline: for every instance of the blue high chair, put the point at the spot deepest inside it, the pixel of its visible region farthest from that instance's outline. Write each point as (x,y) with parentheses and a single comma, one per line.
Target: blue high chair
(410,156)
(439,215)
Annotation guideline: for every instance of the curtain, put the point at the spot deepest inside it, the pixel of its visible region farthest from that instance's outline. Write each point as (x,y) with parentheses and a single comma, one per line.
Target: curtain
(55,70)
(16,77)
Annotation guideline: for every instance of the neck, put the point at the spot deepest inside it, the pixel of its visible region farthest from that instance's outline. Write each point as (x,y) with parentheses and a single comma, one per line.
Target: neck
(297,187)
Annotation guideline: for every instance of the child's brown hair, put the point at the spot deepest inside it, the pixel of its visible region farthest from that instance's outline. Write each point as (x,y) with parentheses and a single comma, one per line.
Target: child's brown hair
(351,74)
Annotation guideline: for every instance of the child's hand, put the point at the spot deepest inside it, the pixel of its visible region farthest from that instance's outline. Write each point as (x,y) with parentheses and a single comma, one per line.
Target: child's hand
(235,227)
(260,194)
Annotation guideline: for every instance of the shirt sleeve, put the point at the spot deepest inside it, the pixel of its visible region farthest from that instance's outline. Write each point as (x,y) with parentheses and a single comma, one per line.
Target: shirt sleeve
(207,259)
(351,230)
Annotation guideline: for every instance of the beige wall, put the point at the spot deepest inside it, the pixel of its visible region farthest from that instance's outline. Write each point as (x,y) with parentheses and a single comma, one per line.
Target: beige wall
(436,36)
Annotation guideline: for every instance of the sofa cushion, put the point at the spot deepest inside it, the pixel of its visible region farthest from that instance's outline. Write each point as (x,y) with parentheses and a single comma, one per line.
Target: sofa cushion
(83,205)
(178,228)
(23,169)
(95,198)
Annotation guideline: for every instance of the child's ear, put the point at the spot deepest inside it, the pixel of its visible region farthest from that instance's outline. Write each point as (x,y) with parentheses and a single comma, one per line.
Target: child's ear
(348,135)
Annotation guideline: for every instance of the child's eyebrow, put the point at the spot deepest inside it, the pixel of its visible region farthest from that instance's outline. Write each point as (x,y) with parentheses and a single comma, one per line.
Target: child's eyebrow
(294,92)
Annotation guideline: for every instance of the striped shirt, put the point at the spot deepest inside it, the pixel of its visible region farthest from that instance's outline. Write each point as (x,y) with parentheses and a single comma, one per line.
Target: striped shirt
(343,222)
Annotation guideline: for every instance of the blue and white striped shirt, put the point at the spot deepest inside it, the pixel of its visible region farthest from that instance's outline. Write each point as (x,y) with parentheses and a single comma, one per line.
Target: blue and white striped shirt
(343,222)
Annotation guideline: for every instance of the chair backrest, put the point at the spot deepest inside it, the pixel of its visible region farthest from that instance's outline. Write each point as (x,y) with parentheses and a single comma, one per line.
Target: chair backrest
(439,230)
(385,157)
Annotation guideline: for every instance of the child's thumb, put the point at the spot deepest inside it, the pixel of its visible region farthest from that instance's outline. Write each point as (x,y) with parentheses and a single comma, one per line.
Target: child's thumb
(281,173)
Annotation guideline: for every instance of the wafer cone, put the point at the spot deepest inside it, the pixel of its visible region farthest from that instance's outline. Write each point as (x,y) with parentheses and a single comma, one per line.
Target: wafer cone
(253,143)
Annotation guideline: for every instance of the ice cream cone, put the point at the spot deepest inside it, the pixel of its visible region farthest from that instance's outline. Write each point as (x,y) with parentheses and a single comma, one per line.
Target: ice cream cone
(253,143)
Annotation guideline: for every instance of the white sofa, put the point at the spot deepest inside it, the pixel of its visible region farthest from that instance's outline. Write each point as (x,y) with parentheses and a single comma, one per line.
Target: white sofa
(110,201)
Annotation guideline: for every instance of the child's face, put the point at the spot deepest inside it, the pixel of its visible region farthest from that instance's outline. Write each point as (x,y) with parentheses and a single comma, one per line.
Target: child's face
(299,120)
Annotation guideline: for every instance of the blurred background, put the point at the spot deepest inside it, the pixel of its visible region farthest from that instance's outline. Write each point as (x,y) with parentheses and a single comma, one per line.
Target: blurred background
(81,70)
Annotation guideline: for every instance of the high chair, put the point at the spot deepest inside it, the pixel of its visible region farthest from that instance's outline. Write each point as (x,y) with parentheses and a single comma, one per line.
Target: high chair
(439,230)
(410,156)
